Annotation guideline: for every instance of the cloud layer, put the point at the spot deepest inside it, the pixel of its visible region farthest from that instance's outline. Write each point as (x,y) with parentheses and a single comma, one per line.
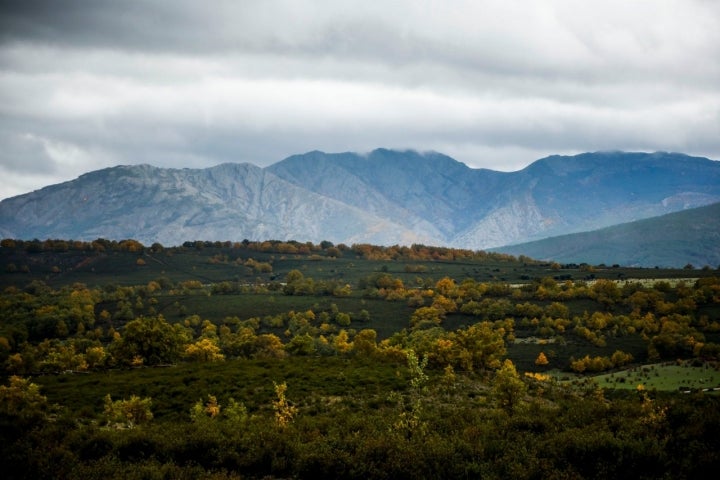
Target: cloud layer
(495,84)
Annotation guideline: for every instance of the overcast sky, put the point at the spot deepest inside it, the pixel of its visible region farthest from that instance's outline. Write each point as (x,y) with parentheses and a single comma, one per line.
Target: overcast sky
(494,84)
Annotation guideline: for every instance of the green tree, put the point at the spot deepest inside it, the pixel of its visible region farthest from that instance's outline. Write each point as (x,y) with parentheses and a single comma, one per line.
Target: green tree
(301,345)
(343,319)
(151,338)
(418,377)
(22,399)
(127,413)
(235,412)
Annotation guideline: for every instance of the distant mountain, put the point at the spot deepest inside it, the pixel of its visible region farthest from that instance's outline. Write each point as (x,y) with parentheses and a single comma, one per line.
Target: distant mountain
(478,208)
(384,197)
(671,240)
(230,201)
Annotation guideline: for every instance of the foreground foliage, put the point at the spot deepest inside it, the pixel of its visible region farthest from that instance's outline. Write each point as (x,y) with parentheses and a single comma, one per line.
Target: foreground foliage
(436,426)
(348,362)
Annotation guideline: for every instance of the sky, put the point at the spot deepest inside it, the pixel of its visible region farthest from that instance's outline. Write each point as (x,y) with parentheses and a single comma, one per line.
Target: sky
(90,84)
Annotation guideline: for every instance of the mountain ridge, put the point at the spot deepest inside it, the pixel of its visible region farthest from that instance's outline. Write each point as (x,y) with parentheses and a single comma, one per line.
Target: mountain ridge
(383,197)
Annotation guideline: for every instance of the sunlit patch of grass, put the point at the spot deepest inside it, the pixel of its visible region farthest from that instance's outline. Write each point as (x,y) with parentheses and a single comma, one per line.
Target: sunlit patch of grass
(676,376)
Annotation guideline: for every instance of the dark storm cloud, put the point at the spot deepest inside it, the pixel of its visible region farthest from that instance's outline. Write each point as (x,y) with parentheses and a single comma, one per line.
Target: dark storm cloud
(497,84)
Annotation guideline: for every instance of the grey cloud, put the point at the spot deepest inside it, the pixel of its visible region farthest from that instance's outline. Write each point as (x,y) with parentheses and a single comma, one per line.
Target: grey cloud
(495,83)
(24,153)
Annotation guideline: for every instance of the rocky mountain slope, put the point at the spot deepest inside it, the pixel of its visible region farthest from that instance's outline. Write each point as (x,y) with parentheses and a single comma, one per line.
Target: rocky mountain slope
(384,197)
(230,201)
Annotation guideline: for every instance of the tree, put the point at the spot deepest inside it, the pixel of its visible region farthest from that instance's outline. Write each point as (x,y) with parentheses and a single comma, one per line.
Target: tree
(446,287)
(21,398)
(425,317)
(151,338)
(294,276)
(301,345)
(365,342)
(127,413)
(507,388)
(284,411)
(210,410)
(343,319)
(269,345)
(341,343)
(418,377)
(235,412)
(204,350)
(606,292)
(444,304)
(541,360)
(480,346)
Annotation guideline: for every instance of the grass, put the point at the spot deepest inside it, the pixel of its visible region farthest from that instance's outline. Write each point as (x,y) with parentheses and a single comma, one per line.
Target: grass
(679,376)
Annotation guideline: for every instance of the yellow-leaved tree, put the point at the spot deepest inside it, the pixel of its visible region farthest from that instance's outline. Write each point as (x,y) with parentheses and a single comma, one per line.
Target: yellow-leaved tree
(508,388)
(284,411)
(541,360)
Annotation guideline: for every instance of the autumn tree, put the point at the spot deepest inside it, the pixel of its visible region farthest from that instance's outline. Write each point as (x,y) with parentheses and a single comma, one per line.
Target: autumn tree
(365,342)
(480,346)
(269,345)
(425,317)
(341,342)
(284,411)
(541,360)
(507,387)
(201,412)
(204,350)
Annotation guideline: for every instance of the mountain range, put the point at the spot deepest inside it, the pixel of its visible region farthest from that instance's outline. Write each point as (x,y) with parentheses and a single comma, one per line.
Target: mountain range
(384,197)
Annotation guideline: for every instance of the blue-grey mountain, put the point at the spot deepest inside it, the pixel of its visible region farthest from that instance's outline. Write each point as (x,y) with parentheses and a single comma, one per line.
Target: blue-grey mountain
(384,197)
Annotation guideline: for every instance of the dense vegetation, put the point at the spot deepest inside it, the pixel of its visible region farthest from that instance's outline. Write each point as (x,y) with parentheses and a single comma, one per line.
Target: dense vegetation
(286,359)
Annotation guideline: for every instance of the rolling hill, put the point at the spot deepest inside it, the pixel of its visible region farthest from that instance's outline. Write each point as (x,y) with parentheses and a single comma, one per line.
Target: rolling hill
(673,240)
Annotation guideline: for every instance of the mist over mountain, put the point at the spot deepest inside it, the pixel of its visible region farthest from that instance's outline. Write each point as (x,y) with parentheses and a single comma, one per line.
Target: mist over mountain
(384,197)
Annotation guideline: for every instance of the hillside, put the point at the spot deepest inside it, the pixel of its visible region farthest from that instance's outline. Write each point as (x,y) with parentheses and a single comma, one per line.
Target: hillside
(672,240)
(385,197)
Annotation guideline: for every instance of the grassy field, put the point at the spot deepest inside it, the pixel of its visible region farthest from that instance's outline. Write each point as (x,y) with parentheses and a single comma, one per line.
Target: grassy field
(678,376)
